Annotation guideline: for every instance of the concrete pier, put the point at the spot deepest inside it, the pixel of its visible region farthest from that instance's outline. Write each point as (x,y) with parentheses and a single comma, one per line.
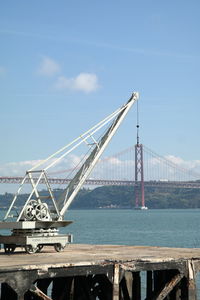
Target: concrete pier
(100,272)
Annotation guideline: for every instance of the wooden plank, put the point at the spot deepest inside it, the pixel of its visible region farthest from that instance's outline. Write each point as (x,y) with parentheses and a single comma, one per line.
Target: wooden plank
(124,289)
(39,293)
(79,255)
(168,287)
(107,264)
(116,282)
(192,292)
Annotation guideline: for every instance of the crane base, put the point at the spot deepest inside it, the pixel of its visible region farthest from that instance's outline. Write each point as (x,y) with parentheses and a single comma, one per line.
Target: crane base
(34,235)
(34,243)
(34,224)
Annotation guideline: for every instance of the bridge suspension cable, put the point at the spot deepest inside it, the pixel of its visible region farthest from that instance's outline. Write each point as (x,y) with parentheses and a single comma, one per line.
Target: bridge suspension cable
(120,167)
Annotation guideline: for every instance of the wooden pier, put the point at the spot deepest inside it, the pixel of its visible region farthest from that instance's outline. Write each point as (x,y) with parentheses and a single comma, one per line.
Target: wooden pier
(100,272)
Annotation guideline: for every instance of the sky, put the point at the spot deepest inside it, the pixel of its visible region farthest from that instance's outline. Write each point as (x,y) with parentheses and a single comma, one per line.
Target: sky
(65,65)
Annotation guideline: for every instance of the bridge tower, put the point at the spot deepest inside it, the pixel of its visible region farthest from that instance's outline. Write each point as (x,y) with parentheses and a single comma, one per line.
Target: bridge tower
(139,172)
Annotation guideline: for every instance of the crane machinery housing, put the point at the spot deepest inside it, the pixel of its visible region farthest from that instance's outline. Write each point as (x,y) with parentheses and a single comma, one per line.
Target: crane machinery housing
(36,223)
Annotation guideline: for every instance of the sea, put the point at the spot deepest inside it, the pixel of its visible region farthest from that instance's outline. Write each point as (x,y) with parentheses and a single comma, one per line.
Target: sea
(152,227)
(158,227)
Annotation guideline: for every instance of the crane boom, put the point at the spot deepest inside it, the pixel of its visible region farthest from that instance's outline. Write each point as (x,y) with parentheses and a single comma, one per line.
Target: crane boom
(80,177)
(31,206)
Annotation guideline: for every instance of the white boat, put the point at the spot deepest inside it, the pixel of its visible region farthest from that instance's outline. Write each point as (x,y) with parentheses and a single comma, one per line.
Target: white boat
(141,208)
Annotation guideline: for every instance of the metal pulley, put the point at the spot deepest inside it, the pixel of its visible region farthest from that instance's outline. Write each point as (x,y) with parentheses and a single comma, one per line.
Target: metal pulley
(36,210)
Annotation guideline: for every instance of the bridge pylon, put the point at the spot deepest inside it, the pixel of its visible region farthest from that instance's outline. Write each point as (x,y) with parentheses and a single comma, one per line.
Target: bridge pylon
(139,171)
(139,177)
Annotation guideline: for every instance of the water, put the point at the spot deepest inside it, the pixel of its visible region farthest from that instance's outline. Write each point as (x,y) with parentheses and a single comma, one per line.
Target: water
(170,227)
(167,227)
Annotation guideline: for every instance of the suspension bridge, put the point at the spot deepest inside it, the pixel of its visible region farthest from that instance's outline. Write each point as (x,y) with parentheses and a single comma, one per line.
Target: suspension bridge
(136,166)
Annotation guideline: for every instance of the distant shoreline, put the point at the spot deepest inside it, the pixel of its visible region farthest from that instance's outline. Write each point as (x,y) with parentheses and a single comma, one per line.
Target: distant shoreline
(121,197)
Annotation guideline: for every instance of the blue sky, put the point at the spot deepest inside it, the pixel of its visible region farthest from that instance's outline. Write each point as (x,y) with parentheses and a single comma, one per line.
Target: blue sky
(65,65)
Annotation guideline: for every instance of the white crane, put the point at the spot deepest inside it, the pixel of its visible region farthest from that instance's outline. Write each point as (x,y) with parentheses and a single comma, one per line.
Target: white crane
(42,216)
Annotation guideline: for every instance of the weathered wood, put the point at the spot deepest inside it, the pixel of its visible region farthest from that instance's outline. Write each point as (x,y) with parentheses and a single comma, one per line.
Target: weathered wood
(126,285)
(192,293)
(168,287)
(177,294)
(39,293)
(99,255)
(129,282)
(80,270)
(21,281)
(104,272)
(116,289)
(124,290)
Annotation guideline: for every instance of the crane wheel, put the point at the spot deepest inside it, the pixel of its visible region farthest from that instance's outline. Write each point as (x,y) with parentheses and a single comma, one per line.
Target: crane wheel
(30,249)
(58,247)
(9,248)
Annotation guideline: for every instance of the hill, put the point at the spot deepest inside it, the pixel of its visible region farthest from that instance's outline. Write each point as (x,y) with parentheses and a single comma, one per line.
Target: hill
(123,197)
